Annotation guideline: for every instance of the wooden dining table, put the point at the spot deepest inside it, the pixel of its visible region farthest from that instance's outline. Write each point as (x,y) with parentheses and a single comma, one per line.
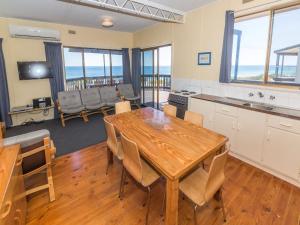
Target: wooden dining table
(171,145)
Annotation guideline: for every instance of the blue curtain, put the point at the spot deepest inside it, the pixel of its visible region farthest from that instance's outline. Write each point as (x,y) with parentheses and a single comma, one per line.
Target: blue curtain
(136,70)
(54,57)
(4,95)
(227,48)
(126,66)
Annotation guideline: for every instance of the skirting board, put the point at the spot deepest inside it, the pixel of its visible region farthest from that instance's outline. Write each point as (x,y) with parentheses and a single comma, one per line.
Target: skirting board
(266,169)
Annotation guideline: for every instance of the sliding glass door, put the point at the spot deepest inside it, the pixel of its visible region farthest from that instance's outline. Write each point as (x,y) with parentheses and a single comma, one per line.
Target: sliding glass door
(156,76)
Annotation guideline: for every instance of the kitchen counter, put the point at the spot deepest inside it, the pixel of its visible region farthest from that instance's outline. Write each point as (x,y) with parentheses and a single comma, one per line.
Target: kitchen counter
(254,106)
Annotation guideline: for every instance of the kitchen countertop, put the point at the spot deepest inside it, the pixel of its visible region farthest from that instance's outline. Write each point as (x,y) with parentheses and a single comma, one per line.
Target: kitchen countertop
(278,111)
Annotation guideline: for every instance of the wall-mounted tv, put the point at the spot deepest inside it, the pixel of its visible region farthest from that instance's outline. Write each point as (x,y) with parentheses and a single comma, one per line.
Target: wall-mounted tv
(34,70)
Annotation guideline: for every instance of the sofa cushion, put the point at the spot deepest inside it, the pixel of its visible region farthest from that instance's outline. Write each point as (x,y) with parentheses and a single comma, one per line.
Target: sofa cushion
(27,139)
(91,98)
(126,90)
(69,101)
(109,95)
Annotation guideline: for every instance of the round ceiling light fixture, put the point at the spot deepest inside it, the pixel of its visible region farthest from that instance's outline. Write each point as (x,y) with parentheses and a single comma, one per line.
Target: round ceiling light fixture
(107,22)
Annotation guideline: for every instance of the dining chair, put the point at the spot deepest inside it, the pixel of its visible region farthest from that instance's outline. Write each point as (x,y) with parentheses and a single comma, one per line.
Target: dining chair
(122,107)
(114,145)
(170,110)
(201,186)
(194,118)
(137,168)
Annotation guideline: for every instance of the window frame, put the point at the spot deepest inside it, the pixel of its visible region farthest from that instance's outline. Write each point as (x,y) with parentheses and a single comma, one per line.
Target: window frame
(84,50)
(271,11)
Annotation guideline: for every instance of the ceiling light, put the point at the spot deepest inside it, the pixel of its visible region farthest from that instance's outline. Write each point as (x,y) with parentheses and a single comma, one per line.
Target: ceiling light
(107,22)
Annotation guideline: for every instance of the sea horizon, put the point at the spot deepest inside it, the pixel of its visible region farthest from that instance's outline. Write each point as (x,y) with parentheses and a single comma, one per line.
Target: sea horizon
(74,72)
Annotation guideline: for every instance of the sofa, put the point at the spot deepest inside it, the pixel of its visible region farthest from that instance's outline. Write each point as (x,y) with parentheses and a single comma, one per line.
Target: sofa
(73,104)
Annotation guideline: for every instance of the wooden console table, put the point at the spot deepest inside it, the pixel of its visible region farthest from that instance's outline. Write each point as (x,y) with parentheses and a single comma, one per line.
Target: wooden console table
(30,109)
(12,193)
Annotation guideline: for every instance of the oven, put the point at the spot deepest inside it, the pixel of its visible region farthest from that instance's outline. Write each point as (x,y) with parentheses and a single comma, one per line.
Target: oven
(181,102)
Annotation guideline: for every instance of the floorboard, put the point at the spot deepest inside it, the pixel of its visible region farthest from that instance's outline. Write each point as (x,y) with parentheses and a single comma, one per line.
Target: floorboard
(85,195)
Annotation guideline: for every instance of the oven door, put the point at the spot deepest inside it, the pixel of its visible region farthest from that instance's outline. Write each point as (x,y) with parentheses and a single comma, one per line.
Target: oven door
(181,108)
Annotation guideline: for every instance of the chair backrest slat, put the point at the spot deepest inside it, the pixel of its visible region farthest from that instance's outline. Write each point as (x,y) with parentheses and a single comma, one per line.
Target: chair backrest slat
(112,141)
(122,107)
(170,110)
(132,159)
(216,176)
(194,118)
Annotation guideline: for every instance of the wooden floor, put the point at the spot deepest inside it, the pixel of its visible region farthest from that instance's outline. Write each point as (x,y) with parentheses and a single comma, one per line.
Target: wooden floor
(85,195)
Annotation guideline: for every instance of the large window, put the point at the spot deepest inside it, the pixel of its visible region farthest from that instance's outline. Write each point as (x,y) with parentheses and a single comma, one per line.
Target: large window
(266,47)
(85,68)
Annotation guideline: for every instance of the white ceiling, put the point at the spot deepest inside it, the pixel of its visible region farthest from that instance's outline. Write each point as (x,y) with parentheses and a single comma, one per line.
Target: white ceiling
(61,12)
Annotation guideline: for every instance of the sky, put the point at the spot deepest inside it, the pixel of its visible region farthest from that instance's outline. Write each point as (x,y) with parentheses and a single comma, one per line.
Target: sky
(96,59)
(254,38)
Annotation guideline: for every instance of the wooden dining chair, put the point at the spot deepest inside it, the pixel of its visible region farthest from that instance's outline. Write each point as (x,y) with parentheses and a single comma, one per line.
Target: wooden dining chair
(194,118)
(170,110)
(114,146)
(122,107)
(137,168)
(201,186)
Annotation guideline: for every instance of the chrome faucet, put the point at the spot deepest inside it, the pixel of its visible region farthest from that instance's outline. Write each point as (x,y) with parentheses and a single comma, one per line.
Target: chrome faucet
(260,94)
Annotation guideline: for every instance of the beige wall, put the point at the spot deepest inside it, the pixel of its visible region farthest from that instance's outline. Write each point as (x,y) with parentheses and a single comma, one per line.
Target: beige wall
(202,31)
(22,92)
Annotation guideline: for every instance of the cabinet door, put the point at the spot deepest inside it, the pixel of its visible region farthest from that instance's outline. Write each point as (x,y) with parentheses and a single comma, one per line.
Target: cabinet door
(226,125)
(281,152)
(206,108)
(250,134)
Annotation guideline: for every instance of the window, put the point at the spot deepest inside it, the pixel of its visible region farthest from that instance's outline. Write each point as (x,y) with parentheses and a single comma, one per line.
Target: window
(266,48)
(86,68)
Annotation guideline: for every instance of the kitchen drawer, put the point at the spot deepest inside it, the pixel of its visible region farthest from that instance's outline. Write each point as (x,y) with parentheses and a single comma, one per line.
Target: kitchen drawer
(284,124)
(227,110)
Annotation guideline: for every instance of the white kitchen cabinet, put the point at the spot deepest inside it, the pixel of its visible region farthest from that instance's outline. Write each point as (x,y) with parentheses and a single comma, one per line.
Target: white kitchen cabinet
(206,108)
(271,143)
(281,151)
(226,125)
(250,134)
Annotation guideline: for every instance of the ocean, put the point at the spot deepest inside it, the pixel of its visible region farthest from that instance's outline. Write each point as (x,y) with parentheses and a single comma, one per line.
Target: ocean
(259,70)
(73,72)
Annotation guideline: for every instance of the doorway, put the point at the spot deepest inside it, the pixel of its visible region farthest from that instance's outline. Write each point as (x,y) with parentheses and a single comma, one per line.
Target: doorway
(156,75)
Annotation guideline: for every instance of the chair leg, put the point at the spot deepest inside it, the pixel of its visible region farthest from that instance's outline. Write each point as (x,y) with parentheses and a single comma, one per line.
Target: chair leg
(62,119)
(121,183)
(109,159)
(222,205)
(84,117)
(163,206)
(50,183)
(195,214)
(148,204)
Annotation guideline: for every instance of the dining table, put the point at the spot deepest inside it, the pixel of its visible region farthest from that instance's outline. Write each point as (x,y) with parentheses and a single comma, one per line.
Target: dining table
(174,147)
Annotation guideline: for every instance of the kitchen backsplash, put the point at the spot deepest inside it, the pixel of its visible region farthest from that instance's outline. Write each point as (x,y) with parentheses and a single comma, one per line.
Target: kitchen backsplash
(276,96)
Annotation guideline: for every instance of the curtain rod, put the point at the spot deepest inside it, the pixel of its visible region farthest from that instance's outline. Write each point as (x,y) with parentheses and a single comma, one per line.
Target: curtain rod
(265,4)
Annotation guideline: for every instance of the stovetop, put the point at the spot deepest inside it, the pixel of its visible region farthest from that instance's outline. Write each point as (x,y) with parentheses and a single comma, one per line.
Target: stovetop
(184,93)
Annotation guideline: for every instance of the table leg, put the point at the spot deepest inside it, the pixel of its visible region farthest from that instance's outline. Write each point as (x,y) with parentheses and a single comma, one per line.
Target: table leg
(172,190)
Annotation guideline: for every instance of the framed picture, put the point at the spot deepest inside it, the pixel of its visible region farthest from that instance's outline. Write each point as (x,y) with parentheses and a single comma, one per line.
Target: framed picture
(204,58)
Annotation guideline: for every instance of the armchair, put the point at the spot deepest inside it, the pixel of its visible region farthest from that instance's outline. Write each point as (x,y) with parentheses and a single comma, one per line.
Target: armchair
(126,91)
(70,106)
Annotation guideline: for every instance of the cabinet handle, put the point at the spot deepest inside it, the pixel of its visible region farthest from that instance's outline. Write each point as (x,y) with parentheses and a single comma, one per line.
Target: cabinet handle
(8,205)
(286,125)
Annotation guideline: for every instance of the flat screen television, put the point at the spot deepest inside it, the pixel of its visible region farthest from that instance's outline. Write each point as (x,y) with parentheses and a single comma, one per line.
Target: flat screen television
(34,70)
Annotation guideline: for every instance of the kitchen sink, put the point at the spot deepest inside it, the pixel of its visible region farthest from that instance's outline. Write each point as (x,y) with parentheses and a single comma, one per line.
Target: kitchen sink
(258,106)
